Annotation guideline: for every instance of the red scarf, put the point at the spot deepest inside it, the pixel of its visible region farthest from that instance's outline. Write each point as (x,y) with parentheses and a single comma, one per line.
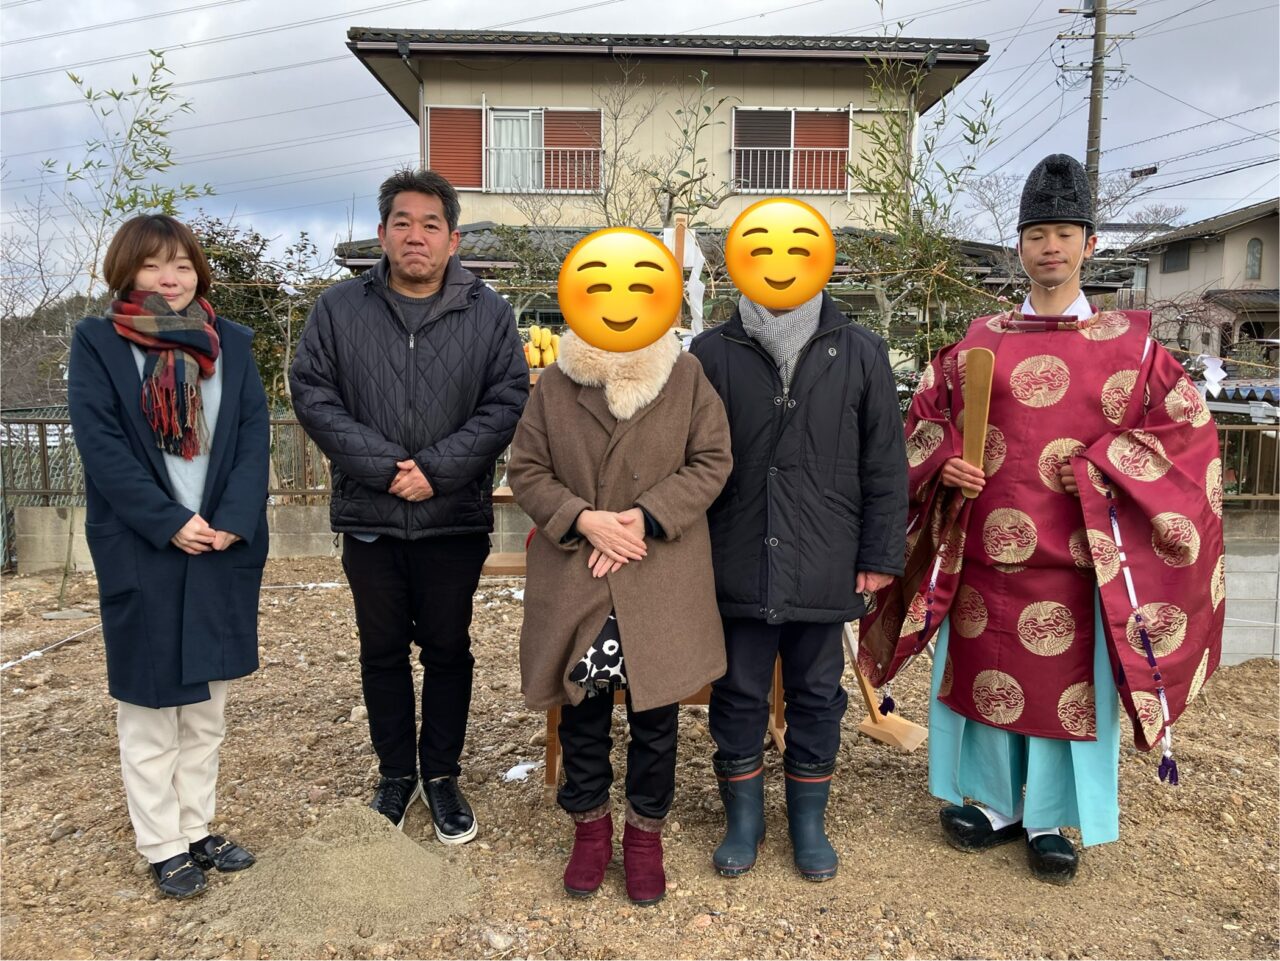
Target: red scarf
(182,349)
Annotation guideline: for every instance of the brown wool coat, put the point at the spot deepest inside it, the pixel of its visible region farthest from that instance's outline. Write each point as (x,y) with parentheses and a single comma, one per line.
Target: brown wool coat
(671,457)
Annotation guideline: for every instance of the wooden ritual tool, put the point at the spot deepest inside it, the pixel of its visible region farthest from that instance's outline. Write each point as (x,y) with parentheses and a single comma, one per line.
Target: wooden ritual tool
(979,364)
(892,729)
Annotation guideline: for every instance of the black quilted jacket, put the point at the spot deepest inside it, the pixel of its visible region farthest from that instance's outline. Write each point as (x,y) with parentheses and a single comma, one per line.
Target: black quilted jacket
(371,392)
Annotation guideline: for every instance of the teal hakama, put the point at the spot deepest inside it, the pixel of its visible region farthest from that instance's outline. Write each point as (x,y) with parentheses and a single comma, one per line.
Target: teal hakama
(1068,783)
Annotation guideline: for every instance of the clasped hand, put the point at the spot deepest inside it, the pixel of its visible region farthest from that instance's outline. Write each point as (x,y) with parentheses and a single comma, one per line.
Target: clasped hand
(616,538)
(197,537)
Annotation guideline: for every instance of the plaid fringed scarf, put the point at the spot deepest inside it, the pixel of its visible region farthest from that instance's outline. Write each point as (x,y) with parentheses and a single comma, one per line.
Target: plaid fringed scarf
(181,349)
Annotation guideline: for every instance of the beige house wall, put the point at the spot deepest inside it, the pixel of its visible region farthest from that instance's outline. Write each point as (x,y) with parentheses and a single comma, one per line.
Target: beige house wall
(574,84)
(1204,271)
(1235,247)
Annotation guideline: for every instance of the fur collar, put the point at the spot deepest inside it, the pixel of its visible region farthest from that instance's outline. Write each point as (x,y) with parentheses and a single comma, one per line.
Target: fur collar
(630,380)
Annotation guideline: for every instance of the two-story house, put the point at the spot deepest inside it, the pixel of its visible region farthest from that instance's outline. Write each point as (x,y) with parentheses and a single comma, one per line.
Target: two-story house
(1214,285)
(512,116)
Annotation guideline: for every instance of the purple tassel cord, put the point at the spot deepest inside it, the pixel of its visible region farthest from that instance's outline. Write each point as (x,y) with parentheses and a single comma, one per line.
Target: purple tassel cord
(1169,770)
(887,705)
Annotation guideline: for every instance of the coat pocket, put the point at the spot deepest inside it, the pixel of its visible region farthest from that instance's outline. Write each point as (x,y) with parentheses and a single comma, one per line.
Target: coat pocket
(112,547)
(843,502)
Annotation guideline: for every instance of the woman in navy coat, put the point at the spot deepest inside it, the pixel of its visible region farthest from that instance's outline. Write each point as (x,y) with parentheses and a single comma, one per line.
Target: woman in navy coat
(170,418)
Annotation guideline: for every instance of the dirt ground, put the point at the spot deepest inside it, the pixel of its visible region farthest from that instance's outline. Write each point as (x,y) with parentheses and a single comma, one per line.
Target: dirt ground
(1194,875)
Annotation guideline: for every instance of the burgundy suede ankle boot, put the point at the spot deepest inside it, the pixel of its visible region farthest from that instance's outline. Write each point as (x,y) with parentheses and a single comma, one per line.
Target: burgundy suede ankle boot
(642,859)
(592,852)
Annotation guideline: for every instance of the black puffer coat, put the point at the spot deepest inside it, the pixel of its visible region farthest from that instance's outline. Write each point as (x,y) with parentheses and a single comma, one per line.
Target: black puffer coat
(371,392)
(819,484)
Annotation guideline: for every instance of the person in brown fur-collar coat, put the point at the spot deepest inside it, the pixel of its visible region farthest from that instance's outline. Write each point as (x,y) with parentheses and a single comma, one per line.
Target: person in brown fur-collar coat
(616,460)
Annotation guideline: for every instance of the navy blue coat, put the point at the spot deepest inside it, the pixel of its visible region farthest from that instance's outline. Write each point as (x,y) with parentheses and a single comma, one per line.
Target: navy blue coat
(819,484)
(172,621)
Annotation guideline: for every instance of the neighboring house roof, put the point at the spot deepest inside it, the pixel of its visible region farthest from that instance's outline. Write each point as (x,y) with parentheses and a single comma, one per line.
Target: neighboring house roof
(1245,300)
(1213,226)
(480,248)
(370,44)
(609,44)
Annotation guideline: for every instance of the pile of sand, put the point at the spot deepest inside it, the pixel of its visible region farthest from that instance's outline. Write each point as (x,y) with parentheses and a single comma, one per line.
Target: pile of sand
(351,877)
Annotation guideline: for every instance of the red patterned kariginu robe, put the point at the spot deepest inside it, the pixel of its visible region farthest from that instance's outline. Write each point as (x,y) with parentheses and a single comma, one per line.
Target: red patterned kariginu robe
(1016,568)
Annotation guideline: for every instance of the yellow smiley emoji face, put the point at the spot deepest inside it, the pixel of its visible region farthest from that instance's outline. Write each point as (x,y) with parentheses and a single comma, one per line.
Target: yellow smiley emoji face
(780,253)
(620,289)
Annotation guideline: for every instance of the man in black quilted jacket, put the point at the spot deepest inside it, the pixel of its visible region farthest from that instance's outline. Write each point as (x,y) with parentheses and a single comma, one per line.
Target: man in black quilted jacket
(411,379)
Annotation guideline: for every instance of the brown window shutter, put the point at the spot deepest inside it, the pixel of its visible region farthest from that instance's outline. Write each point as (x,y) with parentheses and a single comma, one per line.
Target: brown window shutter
(815,168)
(761,139)
(571,149)
(453,144)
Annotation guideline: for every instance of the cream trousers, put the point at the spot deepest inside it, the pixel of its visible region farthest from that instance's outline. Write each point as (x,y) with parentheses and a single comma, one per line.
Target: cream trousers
(169,761)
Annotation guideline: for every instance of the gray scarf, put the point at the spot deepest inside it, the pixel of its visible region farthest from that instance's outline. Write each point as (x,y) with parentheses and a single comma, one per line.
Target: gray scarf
(782,336)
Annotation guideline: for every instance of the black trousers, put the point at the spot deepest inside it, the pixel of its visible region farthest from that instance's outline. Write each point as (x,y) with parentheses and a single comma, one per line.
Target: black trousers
(651,756)
(812,662)
(416,592)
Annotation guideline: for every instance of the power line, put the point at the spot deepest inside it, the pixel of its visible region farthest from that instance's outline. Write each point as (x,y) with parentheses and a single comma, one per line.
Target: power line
(346,58)
(216,123)
(1200,23)
(553,13)
(754,16)
(1210,176)
(1191,105)
(1202,151)
(118,23)
(261,31)
(1207,123)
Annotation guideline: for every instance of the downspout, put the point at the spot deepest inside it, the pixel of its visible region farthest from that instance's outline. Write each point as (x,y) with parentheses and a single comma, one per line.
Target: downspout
(402,48)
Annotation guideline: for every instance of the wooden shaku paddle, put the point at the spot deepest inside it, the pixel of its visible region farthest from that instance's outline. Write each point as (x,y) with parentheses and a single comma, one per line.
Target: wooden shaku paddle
(979,364)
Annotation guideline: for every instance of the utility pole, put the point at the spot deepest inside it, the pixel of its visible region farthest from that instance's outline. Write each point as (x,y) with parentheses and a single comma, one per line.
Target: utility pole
(1096,10)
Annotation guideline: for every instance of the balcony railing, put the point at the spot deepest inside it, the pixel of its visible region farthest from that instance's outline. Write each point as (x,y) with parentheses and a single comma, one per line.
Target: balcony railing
(537,170)
(799,170)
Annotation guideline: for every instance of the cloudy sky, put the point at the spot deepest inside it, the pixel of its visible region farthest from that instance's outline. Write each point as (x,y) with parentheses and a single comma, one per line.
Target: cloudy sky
(294,133)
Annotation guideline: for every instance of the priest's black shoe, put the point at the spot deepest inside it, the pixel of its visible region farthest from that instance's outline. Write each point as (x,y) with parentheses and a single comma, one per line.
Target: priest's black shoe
(215,851)
(1052,858)
(179,877)
(967,829)
(451,815)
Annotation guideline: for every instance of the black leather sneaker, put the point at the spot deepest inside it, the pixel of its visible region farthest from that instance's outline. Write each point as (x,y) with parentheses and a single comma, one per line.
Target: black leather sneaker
(967,829)
(179,877)
(393,797)
(1052,858)
(215,851)
(451,815)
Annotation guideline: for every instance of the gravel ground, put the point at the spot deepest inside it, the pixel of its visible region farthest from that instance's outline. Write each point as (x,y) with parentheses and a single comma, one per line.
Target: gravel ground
(1194,875)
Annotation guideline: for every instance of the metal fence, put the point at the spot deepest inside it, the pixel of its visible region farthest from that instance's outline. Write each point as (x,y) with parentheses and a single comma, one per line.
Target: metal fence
(40,466)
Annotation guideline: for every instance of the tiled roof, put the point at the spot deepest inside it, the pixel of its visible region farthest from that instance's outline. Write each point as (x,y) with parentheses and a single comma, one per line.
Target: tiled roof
(1245,298)
(1214,225)
(650,44)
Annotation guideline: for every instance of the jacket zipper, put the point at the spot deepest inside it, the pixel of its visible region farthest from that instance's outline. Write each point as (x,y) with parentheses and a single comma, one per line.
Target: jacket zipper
(410,376)
(777,435)
(410,372)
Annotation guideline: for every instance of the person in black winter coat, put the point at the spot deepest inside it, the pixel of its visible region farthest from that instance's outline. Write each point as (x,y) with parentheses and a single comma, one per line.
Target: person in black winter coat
(812,518)
(411,379)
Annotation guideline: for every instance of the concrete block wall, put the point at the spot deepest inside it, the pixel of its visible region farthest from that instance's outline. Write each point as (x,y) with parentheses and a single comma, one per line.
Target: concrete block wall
(1253,601)
(1252,563)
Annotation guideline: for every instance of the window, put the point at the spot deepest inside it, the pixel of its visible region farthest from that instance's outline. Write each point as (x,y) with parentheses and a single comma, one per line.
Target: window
(530,150)
(544,151)
(790,151)
(1253,260)
(1175,257)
